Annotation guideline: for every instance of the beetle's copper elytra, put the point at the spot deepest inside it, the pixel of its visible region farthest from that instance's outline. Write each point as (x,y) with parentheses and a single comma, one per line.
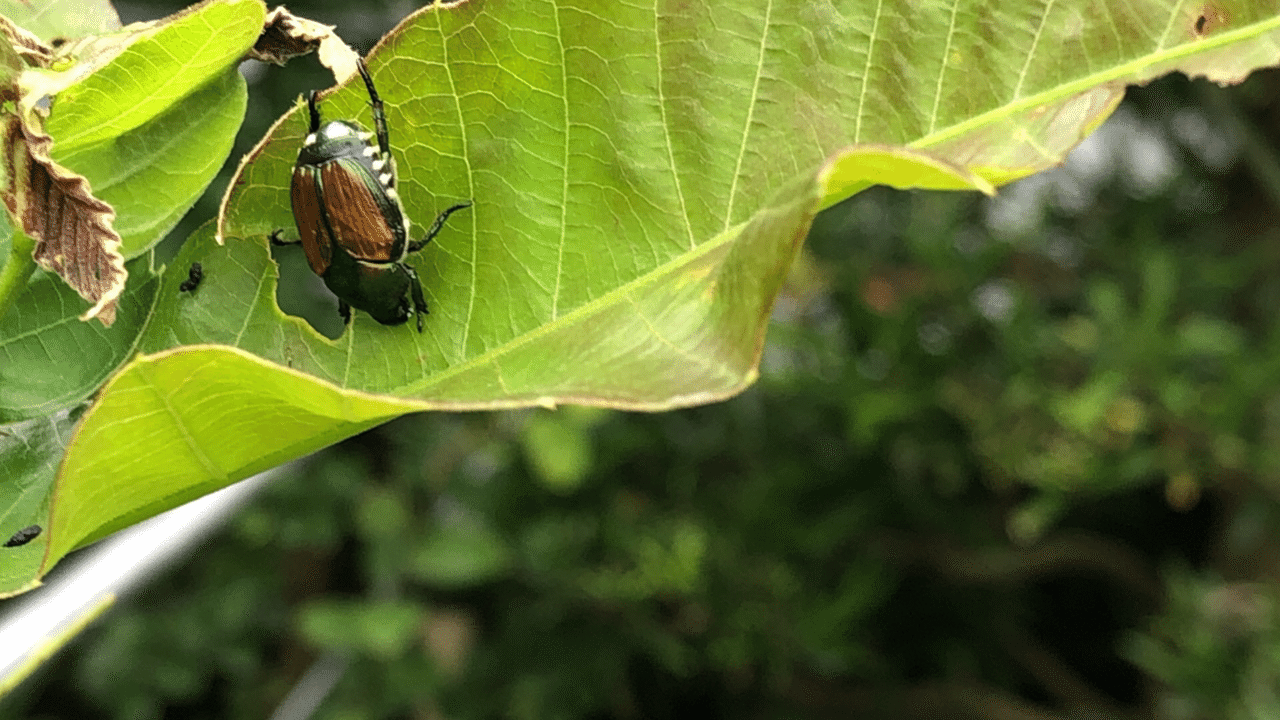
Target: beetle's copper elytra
(350,220)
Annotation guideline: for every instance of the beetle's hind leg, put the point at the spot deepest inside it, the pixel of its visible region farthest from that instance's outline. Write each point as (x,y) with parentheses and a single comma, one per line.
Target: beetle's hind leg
(436,226)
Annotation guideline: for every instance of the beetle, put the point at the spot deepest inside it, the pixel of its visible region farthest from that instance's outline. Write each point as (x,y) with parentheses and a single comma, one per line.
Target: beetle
(24,536)
(194,275)
(351,223)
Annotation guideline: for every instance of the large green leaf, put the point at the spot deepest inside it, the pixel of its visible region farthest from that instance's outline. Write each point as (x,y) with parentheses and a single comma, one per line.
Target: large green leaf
(122,81)
(643,175)
(153,173)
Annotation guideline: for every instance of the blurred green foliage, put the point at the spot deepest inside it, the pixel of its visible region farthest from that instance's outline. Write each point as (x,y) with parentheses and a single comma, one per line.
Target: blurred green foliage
(1008,458)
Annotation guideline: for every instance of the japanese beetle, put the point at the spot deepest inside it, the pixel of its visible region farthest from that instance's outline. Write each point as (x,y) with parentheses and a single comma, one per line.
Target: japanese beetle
(24,536)
(350,221)
(194,276)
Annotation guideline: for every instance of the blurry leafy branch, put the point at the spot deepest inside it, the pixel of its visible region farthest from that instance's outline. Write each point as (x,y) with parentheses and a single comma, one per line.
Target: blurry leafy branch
(705,179)
(854,536)
(940,381)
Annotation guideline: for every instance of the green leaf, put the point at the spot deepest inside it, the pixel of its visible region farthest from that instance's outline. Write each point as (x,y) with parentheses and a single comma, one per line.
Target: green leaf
(381,629)
(50,360)
(461,553)
(159,66)
(153,173)
(194,427)
(1203,336)
(29,454)
(642,179)
(559,451)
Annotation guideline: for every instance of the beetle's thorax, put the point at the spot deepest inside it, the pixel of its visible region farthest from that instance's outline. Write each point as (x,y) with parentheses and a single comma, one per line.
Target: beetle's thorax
(336,139)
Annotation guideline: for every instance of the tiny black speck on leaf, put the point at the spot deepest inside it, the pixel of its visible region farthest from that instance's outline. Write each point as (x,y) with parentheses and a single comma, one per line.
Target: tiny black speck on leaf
(24,536)
(194,276)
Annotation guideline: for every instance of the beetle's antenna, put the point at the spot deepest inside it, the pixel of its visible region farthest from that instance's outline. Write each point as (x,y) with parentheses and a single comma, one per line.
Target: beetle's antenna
(436,226)
(379,115)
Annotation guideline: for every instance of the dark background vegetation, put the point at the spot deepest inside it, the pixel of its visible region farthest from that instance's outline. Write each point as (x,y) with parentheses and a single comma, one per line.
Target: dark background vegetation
(1008,458)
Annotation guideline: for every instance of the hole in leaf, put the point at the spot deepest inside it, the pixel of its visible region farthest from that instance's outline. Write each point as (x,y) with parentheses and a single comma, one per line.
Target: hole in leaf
(301,293)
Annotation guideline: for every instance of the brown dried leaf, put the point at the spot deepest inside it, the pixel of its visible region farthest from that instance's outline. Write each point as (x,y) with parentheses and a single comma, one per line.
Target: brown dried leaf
(26,45)
(72,228)
(285,36)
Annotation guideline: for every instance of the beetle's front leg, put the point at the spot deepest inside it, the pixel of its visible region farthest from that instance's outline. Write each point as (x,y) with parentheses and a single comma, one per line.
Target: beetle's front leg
(436,226)
(415,289)
(345,311)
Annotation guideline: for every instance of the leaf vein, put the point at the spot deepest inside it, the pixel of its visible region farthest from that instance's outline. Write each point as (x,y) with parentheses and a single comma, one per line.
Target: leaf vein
(1031,51)
(751,106)
(564,164)
(942,70)
(666,131)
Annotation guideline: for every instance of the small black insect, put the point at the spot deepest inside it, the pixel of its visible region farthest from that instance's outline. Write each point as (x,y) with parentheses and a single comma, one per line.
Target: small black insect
(24,536)
(194,276)
(350,220)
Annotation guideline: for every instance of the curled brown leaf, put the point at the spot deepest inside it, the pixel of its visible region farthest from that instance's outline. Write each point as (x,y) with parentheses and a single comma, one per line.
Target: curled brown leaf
(285,36)
(74,232)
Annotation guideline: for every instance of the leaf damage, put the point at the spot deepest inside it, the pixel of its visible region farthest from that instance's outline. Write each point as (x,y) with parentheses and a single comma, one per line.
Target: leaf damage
(1208,19)
(286,36)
